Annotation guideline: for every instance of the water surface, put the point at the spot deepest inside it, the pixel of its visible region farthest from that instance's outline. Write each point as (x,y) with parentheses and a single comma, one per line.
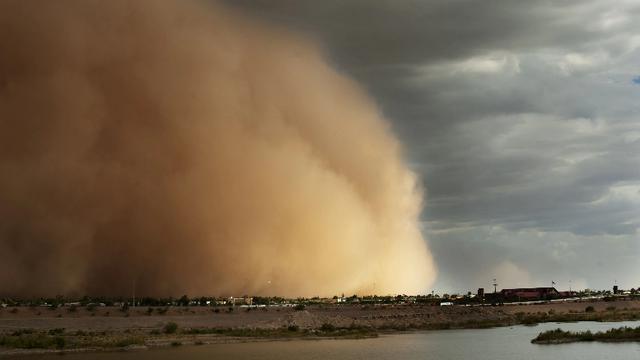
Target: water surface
(506,343)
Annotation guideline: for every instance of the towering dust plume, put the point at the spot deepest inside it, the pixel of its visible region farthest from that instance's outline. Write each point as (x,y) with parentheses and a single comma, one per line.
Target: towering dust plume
(180,146)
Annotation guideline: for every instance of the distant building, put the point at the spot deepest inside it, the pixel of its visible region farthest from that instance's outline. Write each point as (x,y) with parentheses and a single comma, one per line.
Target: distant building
(567,294)
(240,300)
(480,293)
(529,294)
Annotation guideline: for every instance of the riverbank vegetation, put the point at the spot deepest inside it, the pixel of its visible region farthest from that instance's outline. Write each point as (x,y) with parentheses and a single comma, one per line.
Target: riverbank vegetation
(170,334)
(558,336)
(111,328)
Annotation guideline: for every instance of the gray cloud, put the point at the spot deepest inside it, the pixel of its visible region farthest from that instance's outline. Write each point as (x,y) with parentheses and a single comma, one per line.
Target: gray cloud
(521,118)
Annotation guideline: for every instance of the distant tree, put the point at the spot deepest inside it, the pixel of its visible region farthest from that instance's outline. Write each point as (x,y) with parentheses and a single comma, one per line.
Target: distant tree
(183,301)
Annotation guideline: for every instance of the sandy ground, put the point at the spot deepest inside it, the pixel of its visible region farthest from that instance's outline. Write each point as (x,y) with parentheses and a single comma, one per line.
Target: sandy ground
(380,317)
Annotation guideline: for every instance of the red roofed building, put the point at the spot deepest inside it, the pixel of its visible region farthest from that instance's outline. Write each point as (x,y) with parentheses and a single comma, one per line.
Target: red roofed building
(529,294)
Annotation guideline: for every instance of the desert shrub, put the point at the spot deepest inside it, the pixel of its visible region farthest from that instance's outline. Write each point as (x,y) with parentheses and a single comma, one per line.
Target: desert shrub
(299,307)
(589,309)
(293,328)
(56,331)
(170,328)
(23,332)
(327,327)
(32,341)
(128,341)
(162,311)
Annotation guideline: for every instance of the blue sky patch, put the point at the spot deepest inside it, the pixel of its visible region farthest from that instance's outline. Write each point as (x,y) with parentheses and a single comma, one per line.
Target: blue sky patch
(636,80)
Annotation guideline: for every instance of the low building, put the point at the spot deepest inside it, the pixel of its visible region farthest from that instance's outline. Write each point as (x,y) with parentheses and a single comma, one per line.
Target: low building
(240,300)
(529,294)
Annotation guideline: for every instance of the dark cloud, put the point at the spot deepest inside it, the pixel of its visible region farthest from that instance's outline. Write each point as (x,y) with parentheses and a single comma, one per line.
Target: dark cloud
(519,116)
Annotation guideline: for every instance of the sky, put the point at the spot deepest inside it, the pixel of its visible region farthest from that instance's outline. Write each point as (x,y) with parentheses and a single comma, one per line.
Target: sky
(520,117)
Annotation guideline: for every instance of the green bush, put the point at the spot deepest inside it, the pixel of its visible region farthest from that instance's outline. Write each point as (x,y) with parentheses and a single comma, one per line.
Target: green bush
(327,327)
(59,342)
(33,341)
(170,328)
(619,334)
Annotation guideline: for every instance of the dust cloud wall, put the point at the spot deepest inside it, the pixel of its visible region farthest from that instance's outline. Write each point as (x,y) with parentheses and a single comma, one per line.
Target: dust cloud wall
(188,149)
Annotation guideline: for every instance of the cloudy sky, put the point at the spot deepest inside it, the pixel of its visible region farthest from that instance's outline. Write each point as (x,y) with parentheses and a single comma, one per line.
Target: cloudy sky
(520,117)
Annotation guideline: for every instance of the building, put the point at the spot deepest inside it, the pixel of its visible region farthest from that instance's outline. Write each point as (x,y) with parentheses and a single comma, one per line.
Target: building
(529,294)
(245,300)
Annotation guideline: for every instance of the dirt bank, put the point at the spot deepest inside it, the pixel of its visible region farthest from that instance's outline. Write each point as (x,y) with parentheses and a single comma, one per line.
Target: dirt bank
(108,327)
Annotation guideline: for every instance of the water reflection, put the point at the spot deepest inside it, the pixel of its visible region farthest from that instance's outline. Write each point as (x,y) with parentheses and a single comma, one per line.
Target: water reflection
(508,343)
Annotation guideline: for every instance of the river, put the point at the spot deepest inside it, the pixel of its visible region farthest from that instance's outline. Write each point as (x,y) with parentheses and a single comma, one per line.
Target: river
(506,343)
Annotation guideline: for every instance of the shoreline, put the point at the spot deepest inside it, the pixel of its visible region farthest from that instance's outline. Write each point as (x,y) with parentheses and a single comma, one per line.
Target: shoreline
(37,331)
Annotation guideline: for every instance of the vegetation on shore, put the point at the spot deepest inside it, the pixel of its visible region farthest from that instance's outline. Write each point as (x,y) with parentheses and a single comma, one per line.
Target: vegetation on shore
(170,334)
(291,331)
(59,339)
(558,336)
(611,314)
(589,314)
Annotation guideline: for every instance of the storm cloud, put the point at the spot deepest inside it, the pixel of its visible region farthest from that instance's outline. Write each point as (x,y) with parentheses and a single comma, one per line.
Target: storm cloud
(520,117)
